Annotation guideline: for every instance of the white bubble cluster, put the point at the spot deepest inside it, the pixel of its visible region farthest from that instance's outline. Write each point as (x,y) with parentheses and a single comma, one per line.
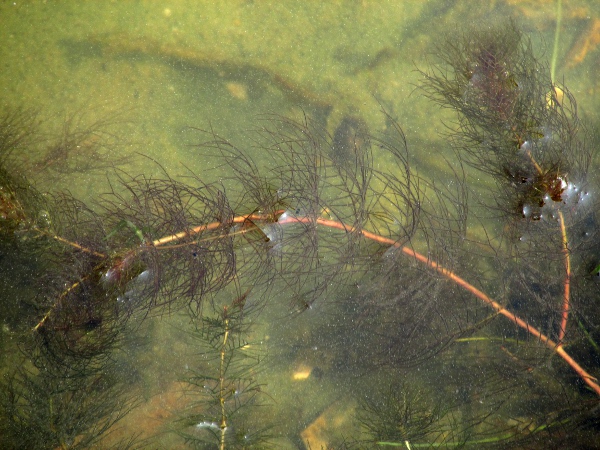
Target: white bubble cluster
(573,195)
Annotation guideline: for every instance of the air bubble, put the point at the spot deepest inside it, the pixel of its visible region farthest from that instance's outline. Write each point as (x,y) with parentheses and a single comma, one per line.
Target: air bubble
(526,146)
(143,277)
(289,215)
(547,135)
(210,425)
(274,232)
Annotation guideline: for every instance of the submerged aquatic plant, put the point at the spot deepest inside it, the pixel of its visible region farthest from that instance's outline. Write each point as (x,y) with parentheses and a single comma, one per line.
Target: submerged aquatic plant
(394,250)
(224,383)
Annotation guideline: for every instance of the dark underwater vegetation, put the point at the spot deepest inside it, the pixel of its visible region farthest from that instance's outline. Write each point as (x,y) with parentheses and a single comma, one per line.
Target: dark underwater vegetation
(438,311)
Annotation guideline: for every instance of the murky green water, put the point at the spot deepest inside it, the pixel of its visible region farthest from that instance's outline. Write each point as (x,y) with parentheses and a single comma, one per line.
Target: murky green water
(159,79)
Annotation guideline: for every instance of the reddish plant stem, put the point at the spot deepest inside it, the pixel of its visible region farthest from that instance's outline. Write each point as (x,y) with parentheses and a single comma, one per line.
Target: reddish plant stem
(210,226)
(567,284)
(567,259)
(556,347)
